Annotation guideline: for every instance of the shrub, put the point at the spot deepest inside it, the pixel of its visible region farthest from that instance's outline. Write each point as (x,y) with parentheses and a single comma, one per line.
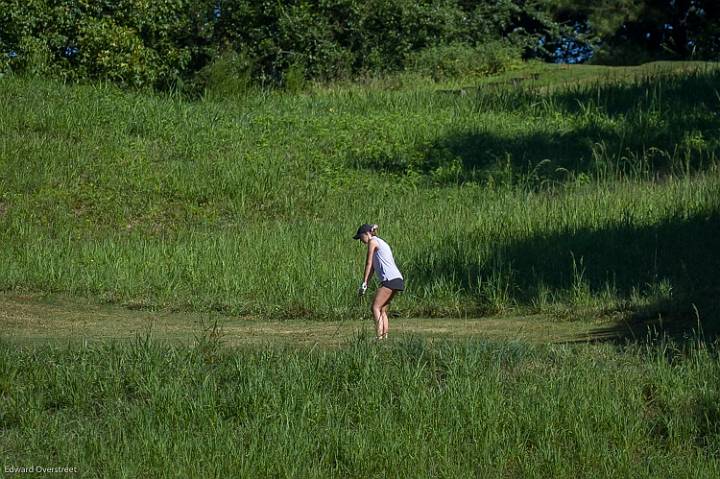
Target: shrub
(229,75)
(458,60)
(115,52)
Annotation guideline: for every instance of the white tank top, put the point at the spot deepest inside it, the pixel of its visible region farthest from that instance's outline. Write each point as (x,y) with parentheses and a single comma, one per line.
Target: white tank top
(383,261)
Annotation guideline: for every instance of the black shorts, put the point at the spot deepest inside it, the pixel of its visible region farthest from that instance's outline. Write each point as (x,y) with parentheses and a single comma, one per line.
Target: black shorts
(396,284)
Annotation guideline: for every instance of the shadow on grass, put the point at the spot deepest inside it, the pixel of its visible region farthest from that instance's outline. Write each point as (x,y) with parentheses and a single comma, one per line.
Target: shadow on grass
(664,276)
(679,326)
(656,124)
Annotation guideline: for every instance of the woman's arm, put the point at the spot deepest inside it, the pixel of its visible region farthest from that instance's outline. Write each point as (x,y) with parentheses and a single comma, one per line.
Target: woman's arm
(372,246)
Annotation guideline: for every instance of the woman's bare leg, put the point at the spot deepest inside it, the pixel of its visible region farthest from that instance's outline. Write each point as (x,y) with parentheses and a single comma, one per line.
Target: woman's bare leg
(384,322)
(384,310)
(382,298)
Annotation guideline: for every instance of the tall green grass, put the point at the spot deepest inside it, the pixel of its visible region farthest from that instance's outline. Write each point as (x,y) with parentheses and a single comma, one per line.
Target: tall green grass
(600,195)
(407,409)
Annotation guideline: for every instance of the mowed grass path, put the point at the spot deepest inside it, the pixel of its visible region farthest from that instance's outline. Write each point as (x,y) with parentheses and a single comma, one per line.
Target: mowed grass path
(39,319)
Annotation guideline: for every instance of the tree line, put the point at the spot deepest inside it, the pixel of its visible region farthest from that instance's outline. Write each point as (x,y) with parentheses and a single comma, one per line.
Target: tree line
(189,44)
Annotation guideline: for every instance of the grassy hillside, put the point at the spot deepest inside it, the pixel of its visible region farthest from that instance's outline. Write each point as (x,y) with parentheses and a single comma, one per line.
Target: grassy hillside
(548,189)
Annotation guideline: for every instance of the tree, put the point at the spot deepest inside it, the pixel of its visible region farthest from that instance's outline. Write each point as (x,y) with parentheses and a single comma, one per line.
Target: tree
(633,31)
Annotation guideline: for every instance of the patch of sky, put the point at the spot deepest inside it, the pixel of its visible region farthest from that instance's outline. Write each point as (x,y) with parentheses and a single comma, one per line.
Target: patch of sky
(572,52)
(70,52)
(572,48)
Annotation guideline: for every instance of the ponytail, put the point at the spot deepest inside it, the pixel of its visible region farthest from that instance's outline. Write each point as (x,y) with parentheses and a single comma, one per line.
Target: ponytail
(374,230)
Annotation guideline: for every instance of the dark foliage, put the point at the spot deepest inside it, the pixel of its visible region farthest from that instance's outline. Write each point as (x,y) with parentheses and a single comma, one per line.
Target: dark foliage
(165,44)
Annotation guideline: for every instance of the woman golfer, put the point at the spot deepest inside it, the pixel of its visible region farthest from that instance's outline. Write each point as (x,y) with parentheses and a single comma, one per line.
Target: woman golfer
(380,259)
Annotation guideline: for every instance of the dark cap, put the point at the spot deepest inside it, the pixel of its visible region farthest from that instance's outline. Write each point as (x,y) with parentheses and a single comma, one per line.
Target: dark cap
(366,228)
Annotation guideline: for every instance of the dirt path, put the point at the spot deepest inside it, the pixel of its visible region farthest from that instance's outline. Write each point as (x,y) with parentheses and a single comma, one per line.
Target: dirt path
(30,318)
